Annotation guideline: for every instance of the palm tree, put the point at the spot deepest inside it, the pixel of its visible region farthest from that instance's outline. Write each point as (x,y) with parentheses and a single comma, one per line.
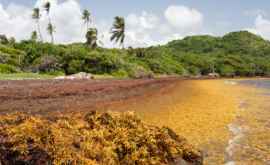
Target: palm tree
(36,16)
(118,30)
(86,17)
(91,37)
(47,7)
(34,36)
(51,30)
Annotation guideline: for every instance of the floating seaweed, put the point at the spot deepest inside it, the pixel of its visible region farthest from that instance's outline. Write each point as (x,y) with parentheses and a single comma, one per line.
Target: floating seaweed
(94,138)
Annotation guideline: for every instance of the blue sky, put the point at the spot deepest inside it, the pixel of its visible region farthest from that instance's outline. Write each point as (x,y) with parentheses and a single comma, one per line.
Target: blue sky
(201,16)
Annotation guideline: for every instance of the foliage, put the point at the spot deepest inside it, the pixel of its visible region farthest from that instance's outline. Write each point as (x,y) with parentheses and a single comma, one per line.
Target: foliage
(47,64)
(235,54)
(11,56)
(118,30)
(34,36)
(96,138)
(36,15)
(5,68)
(3,39)
(24,75)
(86,17)
(91,37)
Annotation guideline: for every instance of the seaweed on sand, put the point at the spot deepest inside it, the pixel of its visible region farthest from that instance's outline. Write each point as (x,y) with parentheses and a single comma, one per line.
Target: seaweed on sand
(95,138)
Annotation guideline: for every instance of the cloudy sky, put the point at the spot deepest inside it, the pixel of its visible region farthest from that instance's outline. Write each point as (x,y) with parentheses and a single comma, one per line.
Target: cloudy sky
(148,21)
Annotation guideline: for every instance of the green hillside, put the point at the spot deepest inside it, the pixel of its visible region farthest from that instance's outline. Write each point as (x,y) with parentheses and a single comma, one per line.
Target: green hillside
(235,54)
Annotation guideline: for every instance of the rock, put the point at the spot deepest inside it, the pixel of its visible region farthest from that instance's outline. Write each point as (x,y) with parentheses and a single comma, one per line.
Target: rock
(213,75)
(78,76)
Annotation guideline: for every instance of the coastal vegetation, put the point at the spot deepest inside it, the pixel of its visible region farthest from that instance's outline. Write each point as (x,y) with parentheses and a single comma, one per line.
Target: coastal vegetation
(235,54)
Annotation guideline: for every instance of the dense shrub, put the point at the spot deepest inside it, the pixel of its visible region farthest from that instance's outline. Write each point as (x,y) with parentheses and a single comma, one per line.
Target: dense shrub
(5,68)
(226,70)
(47,64)
(103,62)
(160,61)
(137,71)
(11,56)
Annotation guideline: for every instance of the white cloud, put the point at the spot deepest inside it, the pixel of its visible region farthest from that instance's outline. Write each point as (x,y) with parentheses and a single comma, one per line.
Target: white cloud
(255,12)
(261,27)
(140,28)
(143,29)
(145,20)
(66,16)
(148,29)
(183,17)
(13,23)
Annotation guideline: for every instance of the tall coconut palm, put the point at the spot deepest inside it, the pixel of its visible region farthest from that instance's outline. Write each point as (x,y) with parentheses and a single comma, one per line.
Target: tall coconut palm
(36,16)
(91,37)
(118,30)
(51,30)
(47,7)
(86,17)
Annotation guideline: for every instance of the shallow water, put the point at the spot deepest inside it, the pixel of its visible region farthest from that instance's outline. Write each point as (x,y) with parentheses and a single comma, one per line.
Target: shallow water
(227,119)
(250,140)
(259,83)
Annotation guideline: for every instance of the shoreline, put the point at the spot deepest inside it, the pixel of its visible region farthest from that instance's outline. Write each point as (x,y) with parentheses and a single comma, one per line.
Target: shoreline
(109,77)
(198,109)
(251,138)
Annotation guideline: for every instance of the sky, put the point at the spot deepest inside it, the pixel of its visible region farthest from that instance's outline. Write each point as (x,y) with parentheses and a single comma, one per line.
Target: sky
(148,22)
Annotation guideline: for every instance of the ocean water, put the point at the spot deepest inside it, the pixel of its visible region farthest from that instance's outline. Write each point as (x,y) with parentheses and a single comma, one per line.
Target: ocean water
(259,83)
(254,125)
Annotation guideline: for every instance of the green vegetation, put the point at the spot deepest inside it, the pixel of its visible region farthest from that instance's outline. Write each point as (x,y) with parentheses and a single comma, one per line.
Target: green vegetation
(22,76)
(235,54)
(96,138)
(118,30)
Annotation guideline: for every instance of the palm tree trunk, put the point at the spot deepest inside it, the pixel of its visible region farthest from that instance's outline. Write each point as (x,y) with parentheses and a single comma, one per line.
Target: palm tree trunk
(87,26)
(39,31)
(52,38)
(50,22)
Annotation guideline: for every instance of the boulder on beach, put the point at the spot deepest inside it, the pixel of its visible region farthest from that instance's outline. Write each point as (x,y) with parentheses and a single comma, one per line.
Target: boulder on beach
(77,76)
(213,75)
